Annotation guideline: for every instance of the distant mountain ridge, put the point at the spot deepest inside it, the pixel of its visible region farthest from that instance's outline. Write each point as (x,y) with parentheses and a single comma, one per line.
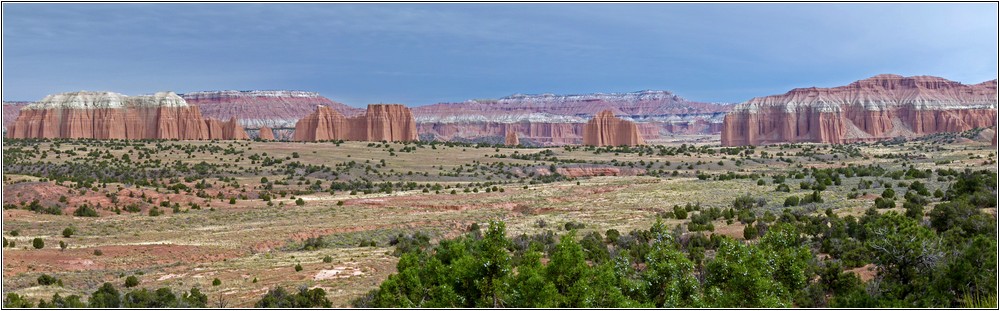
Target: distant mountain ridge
(645,105)
(543,118)
(881,107)
(271,108)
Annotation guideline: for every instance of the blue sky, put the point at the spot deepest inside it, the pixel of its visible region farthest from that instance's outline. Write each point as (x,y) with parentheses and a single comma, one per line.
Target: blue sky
(419,54)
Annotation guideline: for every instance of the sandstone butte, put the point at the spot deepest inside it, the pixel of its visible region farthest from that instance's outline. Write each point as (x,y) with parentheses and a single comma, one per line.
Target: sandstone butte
(607,130)
(265,133)
(108,115)
(389,122)
(511,139)
(877,108)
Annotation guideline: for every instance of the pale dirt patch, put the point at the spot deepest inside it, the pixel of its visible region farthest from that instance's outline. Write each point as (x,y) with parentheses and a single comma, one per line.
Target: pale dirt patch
(865,273)
(337,273)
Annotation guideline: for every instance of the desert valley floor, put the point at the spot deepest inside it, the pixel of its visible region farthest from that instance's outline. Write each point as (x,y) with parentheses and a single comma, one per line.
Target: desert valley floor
(182,214)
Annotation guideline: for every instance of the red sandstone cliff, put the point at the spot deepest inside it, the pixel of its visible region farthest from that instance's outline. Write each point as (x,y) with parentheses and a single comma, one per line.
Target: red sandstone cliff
(881,107)
(10,112)
(511,139)
(265,133)
(392,122)
(232,130)
(107,115)
(607,130)
(380,122)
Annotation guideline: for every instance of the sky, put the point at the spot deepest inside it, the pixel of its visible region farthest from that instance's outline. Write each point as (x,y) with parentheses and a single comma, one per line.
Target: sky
(418,54)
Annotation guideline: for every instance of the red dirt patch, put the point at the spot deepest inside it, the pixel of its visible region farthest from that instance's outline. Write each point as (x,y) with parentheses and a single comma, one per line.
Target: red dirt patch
(113,257)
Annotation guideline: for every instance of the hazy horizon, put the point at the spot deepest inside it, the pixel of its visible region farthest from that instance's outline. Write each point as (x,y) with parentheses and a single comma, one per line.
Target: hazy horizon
(420,54)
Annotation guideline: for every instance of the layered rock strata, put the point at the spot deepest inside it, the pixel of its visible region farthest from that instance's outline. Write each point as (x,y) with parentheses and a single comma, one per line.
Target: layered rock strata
(256,109)
(389,122)
(108,115)
(656,113)
(607,130)
(878,108)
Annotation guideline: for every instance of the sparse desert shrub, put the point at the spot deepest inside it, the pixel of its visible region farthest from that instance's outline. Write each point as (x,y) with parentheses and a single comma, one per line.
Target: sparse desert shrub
(889,193)
(883,203)
(791,201)
(749,232)
(313,243)
(85,211)
(131,281)
(305,298)
(45,280)
(37,243)
(410,243)
(783,188)
(680,212)
(571,225)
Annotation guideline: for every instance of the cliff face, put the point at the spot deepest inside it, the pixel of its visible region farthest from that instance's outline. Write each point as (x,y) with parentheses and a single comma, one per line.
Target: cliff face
(545,119)
(256,109)
(10,112)
(232,130)
(607,130)
(881,107)
(107,115)
(511,139)
(265,133)
(380,122)
(655,112)
(391,122)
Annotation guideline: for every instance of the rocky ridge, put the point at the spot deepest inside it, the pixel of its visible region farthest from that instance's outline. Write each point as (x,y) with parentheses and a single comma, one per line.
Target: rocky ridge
(559,119)
(109,115)
(256,109)
(877,108)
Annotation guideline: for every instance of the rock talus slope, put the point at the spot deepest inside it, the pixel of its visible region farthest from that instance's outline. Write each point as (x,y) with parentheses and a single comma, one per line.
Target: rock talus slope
(607,130)
(108,115)
(881,107)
